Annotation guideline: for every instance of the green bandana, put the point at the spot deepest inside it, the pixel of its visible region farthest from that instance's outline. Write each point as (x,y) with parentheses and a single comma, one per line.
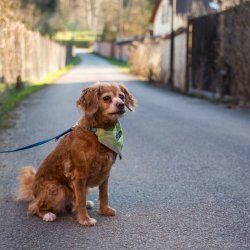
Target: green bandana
(111,138)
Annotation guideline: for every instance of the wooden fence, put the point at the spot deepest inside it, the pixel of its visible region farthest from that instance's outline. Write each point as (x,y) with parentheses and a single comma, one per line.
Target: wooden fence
(219,55)
(203,44)
(26,55)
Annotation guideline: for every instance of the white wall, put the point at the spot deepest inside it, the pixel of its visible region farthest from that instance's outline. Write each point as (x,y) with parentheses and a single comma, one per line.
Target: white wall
(159,27)
(229,3)
(162,27)
(180,51)
(151,59)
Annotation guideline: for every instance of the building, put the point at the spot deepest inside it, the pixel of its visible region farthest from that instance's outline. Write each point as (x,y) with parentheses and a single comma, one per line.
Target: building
(182,10)
(225,4)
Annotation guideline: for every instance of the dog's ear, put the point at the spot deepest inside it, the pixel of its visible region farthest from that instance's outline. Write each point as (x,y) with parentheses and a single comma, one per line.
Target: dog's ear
(88,101)
(130,101)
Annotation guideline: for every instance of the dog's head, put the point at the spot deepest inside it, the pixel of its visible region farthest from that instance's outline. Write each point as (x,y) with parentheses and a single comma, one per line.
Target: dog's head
(106,99)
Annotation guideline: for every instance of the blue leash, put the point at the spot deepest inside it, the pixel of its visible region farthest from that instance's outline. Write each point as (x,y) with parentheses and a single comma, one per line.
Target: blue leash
(38,143)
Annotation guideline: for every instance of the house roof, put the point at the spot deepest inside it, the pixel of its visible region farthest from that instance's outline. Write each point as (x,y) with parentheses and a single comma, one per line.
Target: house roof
(182,6)
(157,5)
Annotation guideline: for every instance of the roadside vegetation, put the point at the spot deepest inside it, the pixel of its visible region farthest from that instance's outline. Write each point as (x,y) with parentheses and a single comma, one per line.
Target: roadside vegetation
(123,66)
(80,39)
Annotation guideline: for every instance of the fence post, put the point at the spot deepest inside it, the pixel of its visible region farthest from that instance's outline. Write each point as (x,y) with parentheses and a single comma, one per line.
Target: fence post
(188,55)
(171,76)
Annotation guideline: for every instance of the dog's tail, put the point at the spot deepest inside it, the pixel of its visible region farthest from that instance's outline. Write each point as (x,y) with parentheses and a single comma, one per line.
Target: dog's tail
(26,178)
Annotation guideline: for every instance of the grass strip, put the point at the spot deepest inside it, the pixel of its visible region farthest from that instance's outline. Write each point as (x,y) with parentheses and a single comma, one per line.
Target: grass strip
(85,35)
(80,39)
(12,97)
(124,67)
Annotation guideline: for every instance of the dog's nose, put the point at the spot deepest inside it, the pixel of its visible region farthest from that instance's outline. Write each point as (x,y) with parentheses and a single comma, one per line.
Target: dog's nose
(120,106)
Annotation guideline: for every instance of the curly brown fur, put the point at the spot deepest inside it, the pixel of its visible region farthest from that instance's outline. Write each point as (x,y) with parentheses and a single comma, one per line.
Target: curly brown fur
(79,161)
(26,177)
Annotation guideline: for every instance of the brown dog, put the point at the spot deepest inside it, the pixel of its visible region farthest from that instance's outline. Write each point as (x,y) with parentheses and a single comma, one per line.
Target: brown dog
(79,161)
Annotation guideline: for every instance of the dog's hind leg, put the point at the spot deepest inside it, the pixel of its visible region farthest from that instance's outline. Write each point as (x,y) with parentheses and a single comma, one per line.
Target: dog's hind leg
(50,201)
(42,212)
(89,204)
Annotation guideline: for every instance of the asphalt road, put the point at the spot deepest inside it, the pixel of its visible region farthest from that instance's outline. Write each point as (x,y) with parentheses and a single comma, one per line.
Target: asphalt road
(183,183)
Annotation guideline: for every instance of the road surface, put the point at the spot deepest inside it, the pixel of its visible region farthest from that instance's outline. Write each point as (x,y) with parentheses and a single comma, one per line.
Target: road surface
(183,182)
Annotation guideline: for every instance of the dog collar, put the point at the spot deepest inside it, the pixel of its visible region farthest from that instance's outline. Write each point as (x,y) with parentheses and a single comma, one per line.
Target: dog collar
(111,138)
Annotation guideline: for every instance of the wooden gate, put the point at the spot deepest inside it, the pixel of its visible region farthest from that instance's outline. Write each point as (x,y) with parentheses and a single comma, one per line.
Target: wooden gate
(202,52)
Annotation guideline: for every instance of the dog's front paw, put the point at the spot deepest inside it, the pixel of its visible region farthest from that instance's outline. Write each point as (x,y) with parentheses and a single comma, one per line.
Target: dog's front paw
(89,222)
(108,211)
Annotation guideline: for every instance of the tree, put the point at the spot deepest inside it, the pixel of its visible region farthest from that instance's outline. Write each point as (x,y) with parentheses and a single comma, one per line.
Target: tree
(114,18)
(124,18)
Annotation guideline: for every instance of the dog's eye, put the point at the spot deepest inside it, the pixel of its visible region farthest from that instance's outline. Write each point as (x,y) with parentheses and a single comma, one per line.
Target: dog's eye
(107,98)
(121,96)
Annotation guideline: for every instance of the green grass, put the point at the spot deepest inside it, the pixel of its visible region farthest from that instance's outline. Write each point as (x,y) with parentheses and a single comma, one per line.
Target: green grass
(2,88)
(81,39)
(10,98)
(124,67)
(75,35)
